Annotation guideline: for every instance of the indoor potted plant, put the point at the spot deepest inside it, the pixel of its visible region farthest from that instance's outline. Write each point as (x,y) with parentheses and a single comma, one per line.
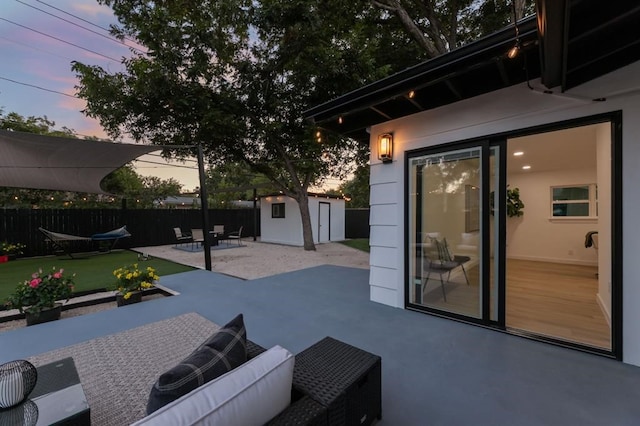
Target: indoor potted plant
(40,297)
(131,281)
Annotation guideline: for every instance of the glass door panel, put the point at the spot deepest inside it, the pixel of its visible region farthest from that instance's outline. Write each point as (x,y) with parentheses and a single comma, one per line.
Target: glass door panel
(445,218)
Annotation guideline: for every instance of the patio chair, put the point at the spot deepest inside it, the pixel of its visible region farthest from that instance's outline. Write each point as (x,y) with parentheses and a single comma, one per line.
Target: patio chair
(181,238)
(197,236)
(435,266)
(445,257)
(234,235)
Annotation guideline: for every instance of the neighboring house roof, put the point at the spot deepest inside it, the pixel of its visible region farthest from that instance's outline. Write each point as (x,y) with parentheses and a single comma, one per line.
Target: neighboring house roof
(568,43)
(310,194)
(181,201)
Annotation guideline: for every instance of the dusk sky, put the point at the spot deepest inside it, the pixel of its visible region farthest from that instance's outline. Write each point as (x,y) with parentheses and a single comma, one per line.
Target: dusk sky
(37,50)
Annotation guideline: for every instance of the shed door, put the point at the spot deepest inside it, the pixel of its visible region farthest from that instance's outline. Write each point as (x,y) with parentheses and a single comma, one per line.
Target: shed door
(324,222)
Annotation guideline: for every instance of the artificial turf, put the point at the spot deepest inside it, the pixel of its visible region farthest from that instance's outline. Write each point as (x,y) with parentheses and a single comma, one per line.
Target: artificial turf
(358,243)
(92,272)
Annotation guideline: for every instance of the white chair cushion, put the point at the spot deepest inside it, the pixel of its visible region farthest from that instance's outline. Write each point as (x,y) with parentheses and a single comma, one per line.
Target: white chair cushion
(251,394)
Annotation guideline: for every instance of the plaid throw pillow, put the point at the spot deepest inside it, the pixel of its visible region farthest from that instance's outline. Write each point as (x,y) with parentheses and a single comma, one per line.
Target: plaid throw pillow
(225,350)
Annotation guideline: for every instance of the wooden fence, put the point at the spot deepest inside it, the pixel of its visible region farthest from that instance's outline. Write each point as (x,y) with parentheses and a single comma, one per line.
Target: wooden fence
(356,223)
(151,227)
(147,227)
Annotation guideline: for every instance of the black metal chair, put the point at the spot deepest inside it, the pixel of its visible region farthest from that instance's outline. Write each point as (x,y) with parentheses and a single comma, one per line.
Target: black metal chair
(181,238)
(435,266)
(449,259)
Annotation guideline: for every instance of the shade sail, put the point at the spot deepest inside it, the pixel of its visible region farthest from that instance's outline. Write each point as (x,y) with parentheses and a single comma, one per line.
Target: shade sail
(34,161)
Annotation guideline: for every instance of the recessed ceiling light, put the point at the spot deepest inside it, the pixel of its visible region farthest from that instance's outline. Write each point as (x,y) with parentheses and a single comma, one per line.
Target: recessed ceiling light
(518,153)
(526,167)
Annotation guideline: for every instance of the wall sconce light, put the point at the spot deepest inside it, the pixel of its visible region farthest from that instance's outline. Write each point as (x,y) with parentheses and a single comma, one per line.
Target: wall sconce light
(385,147)
(513,52)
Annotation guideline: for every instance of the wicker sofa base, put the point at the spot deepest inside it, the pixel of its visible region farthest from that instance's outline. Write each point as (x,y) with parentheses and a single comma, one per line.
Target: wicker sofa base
(333,384)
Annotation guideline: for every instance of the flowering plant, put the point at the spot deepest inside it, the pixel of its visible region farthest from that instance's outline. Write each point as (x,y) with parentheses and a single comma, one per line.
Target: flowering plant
(41,291)
(11,249)
(130,279)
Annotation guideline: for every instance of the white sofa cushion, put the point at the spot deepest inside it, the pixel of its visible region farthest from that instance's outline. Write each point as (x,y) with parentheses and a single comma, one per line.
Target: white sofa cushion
(251,394)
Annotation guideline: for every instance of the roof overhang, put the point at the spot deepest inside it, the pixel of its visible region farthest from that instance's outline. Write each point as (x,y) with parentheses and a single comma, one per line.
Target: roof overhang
(33,161)
(474,69)
(568,43)
(584,39)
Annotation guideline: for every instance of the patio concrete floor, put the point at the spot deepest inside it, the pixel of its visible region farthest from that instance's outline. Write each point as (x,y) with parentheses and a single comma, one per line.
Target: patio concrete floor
(435,371)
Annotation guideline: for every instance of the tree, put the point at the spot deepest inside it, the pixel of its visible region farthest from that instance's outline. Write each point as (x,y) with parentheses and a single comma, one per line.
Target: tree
(439,26)
(356,190)
(229,182)
(39,125)
(204,81)
(234,76)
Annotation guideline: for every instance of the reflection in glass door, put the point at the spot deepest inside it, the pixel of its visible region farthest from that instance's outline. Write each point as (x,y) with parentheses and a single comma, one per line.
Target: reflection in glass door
(445,221)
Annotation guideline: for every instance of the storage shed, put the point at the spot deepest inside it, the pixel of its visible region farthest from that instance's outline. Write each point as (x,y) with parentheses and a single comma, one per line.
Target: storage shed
(280,220)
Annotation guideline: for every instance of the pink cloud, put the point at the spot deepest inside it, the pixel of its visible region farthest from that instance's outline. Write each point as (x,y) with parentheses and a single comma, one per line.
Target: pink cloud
(91,9)
(72,104)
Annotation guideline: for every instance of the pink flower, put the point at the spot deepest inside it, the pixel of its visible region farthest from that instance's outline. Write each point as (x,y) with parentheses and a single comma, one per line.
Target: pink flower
(34,283)
(34,275)
(57,275)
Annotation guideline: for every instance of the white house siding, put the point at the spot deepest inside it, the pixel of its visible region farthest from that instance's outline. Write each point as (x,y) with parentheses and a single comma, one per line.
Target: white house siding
(514,108)
(288,230)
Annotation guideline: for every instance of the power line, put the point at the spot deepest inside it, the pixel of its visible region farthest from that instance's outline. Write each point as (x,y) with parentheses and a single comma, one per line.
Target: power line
(186,159)
(36,48)
(82,19)
(167,165)
(60,40)
(38,87)
(80,26)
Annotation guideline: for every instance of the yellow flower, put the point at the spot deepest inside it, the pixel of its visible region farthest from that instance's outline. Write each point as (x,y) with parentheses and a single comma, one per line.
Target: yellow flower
(127,295)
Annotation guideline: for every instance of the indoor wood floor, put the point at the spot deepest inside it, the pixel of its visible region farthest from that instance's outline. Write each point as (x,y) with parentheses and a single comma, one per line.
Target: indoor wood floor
(549,299)
(556,300)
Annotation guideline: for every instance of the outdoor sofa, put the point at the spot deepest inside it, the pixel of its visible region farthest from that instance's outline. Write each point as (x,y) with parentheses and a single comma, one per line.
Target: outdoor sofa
(330,383)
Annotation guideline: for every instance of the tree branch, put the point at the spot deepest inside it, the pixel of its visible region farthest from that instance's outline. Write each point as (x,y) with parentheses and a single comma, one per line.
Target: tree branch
(408,23)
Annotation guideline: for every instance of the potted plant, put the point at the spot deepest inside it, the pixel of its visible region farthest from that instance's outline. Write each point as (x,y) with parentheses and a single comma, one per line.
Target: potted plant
(10,251)
(131,281)
(40,297)
(514,204)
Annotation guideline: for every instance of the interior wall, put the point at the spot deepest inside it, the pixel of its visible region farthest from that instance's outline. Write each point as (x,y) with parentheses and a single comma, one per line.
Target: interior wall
(535,235)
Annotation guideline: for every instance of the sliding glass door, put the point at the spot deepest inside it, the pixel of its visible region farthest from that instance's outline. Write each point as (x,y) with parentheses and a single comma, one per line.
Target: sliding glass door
(546,271)
(445,231)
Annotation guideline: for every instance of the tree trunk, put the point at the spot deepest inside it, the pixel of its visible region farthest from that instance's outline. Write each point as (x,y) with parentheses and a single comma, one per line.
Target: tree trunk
(307,233)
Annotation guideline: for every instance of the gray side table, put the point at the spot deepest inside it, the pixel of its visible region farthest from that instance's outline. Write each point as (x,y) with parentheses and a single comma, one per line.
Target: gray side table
(59,395)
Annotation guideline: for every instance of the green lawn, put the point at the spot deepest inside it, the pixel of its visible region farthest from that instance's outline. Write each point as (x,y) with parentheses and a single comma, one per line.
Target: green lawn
(93,272)
(358,243)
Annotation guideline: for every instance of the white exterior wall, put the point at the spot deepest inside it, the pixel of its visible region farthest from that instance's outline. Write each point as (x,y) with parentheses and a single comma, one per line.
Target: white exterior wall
(511,109)
(288,230)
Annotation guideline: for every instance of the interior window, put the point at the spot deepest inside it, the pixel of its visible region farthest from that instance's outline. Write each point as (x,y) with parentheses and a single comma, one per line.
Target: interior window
(574,201)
